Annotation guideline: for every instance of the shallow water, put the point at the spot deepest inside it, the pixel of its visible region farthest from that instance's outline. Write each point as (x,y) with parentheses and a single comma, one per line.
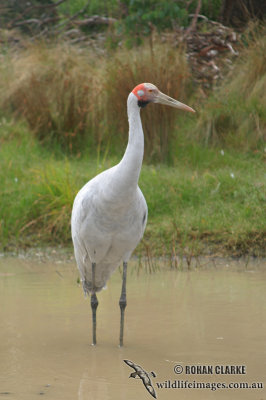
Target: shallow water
(207,316)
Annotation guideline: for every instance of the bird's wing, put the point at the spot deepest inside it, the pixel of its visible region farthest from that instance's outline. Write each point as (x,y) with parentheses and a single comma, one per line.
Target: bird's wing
(136,367)
(144,376)
(143,207)
(149,387)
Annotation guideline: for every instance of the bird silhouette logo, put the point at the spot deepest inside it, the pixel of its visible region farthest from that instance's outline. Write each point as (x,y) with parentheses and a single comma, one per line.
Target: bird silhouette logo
(140,373)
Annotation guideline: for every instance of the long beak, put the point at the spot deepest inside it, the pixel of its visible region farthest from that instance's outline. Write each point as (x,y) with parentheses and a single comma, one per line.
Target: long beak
(167,100)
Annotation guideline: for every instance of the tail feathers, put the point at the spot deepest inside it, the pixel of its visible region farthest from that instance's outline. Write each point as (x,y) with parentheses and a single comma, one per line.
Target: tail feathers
(103,272)
(87,287)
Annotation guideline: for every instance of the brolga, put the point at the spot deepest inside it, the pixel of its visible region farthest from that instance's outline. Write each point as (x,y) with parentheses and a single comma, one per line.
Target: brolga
(110,213)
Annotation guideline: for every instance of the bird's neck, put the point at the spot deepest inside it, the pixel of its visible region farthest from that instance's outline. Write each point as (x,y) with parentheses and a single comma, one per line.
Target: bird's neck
(130,165)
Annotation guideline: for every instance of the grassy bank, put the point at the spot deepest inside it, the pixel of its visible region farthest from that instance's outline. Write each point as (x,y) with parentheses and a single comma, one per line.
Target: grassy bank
(211,200)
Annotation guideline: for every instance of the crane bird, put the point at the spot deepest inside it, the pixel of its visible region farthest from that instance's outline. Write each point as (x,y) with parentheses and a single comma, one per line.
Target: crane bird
(109,213)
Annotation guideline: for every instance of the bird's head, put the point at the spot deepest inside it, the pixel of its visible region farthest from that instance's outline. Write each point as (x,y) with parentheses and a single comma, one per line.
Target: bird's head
(148,93)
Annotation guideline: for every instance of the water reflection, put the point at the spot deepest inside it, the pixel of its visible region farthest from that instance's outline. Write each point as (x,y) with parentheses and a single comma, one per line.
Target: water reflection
(91,388)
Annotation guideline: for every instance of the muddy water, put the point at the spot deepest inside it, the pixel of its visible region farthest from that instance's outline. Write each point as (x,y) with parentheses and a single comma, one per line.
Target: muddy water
(208,317)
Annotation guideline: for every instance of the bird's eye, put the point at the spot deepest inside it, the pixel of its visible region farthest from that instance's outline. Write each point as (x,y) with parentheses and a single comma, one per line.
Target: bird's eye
(150,90)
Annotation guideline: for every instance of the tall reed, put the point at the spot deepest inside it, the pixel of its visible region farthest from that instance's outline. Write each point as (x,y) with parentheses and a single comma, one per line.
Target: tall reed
(235,115)
(78,99)
(56,90)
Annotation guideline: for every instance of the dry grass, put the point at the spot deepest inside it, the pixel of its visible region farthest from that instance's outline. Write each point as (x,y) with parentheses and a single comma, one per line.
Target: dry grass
(72,95)
(56,90)
(235,115)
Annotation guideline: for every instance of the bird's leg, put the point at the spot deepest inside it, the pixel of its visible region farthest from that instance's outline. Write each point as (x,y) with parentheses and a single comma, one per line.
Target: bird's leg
(94,304)
(123,302)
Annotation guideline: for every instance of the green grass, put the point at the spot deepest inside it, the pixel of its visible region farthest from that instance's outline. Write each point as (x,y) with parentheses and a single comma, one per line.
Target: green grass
(98,7)
(206,202)
(210,204)
(120,8)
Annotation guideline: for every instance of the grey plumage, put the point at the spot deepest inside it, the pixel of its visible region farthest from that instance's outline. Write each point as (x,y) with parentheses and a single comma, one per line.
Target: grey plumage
(109,213)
